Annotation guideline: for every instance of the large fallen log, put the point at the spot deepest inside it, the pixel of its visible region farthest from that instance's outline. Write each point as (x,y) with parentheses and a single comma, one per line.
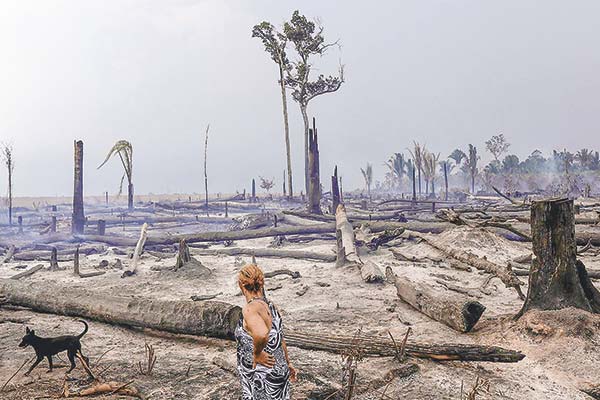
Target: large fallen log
(45,254)
(369,271)
(269,253)
(396,216)
(458,312)
(216,319)
(506,275)
(373,346)
(207,318)
(431,227)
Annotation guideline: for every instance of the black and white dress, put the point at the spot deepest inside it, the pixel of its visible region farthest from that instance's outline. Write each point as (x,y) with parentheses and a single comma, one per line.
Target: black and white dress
(262,383)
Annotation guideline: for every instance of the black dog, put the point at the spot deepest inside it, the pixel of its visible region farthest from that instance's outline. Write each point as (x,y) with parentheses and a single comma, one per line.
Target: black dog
(47,347)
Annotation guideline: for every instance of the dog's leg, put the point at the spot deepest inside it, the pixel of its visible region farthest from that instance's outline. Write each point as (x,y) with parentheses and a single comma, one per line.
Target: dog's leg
(71,355)
(37,361)
(49,362)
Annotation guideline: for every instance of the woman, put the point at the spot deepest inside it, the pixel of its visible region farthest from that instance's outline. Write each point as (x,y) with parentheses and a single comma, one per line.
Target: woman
(262,357)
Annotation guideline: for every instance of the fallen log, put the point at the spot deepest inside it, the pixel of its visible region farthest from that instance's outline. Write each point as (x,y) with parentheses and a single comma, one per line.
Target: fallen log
(206,318)
(396,216)
(44,255)
(137,252)
(506,275)
(268,253)
(9,254)
(28,272)
(385,347)
(369,272)
(431,227)
(457,312)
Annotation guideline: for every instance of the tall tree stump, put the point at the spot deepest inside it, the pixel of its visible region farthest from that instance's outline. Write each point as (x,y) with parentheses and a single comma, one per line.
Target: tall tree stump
(557,279)
(314,181)
(78,219)
(335,191)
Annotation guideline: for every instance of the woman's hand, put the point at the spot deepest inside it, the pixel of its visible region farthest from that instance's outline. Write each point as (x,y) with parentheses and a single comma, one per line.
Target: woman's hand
(265,359)
(293,373)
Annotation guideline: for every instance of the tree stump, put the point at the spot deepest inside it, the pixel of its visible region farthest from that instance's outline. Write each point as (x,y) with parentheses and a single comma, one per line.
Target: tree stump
(557,279)
(314,181)
(335,191)
(101,227)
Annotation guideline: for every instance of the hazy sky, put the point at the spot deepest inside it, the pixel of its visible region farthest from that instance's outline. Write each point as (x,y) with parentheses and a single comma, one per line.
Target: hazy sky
(446,73)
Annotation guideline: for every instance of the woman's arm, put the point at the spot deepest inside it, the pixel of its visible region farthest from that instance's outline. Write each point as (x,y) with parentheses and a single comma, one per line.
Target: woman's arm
(293,373)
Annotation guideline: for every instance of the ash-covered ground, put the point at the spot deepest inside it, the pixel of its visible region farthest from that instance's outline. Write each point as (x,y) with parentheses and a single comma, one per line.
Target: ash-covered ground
(560,346)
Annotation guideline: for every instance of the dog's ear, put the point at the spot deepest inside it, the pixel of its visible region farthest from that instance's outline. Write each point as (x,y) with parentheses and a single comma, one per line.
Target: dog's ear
(27,330)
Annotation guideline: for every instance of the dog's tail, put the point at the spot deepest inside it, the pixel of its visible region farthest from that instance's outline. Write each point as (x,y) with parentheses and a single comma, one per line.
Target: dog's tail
(84,330)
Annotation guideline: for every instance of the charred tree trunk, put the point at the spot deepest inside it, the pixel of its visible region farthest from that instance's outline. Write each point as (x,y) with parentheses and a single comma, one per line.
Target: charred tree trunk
(253,198)
(314,183)
(335,191)
(78,218)
(446,180)
(557,279)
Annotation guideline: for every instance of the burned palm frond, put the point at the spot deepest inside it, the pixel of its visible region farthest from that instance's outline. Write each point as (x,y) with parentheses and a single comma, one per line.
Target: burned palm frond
(124,150)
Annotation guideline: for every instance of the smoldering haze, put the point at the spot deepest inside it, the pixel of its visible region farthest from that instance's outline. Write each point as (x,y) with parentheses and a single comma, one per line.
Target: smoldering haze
(155,73)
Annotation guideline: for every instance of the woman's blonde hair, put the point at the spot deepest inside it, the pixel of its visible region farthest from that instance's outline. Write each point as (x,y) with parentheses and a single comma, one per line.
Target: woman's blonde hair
(251,278)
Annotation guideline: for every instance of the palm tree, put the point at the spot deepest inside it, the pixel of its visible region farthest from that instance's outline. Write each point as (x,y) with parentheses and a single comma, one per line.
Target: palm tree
(417,155)
(457,155)
(471,164)
(429,170)
(125,151)
(397,167)
(368,177)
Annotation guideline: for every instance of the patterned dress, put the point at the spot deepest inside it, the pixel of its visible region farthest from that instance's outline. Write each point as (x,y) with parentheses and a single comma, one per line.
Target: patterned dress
(262,383)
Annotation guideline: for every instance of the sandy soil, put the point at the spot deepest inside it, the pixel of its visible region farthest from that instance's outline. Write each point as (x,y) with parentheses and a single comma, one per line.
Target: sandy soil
(560,347)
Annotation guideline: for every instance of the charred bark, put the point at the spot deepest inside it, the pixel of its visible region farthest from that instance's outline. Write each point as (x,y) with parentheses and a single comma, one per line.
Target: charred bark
(557,279)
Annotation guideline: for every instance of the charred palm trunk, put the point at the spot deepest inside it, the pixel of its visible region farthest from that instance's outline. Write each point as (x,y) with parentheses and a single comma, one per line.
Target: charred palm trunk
(10,199)
(78,218)
(557,279)
(130,196)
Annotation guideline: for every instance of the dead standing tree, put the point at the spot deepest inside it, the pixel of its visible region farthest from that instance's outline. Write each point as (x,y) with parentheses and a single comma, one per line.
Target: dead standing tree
(314,187)
(307,38)
(125,151)
(367,174)
(7,155)
(205,173)
(557,279)
(78,218)
(275,43)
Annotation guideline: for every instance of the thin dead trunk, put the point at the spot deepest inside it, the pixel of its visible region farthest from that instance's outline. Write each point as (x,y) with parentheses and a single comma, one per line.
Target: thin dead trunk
(78,218)
(286,128)
(205,173)
(304,112)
